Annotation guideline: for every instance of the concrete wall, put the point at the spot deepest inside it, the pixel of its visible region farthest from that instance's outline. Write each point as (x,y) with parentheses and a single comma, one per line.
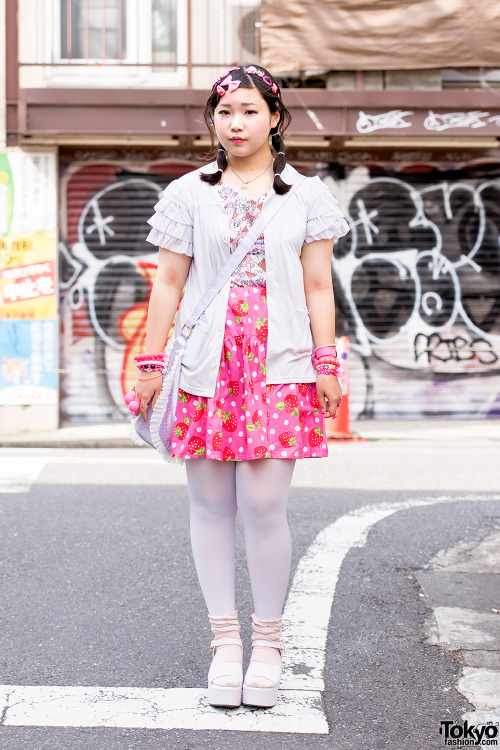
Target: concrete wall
(27,418)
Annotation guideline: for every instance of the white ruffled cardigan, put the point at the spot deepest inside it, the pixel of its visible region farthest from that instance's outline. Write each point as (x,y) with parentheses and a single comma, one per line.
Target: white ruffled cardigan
(190,219)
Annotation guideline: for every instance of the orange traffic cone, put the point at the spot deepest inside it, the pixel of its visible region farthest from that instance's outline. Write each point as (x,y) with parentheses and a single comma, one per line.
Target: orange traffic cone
(339,428)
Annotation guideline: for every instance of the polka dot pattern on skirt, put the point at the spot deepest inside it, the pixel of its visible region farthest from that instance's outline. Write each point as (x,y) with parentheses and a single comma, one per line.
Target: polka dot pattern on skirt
(248,419)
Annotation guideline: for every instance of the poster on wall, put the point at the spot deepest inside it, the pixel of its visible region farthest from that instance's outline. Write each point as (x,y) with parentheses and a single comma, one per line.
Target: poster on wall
(28,372)
(28,267)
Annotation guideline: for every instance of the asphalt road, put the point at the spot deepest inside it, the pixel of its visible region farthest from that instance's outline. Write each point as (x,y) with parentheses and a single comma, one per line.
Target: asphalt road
(98,589)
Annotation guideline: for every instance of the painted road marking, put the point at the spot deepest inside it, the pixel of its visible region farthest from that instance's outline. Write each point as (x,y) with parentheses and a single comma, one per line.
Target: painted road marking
(18,474)
(305,619)
(154,708)
(309,603)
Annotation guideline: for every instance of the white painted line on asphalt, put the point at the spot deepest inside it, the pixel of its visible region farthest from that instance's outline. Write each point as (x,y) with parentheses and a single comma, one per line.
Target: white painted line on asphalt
(308,607)
(306,620)
(298,712)
(18,474)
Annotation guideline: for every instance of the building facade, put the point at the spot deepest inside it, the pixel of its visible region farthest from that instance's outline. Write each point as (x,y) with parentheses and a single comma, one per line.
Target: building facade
(104,104)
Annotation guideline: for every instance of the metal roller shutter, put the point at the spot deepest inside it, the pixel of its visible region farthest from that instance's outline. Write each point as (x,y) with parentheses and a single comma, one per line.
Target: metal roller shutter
(418,289)
(107,270)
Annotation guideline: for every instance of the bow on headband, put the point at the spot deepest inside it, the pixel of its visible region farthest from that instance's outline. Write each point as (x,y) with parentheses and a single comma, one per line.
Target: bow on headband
(231,86)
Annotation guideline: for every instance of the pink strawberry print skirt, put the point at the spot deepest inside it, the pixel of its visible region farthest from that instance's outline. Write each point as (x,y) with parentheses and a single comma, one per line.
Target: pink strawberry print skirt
(248,419)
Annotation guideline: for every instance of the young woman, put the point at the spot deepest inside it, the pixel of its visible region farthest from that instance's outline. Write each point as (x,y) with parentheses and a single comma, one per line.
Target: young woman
(256,399)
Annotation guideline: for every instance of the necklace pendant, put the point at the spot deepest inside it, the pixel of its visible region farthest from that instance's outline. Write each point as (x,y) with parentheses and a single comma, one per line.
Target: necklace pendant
(244,186)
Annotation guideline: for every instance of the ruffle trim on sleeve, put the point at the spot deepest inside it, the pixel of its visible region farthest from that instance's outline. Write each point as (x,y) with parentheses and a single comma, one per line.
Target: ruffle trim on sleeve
(328,221)
(172,226)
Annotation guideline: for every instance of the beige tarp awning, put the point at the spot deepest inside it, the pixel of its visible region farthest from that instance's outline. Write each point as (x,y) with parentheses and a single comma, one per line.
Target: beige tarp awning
(311,35)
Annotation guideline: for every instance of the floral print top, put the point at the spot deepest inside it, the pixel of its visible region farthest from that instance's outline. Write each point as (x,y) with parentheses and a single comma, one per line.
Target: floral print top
(241,212)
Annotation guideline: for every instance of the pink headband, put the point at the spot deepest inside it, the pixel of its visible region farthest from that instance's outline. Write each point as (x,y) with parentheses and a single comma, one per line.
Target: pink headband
(253,71)
(233,85)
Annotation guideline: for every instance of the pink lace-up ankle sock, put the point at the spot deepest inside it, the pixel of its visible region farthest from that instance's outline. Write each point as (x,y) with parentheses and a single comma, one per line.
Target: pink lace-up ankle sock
(226,626)
(268,630)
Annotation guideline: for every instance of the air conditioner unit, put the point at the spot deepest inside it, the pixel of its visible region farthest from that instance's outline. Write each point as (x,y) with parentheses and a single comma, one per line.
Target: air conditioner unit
(241,31)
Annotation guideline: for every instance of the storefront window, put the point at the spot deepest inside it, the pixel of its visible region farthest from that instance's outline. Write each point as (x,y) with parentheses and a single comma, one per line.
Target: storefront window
(99,29)
(164,31)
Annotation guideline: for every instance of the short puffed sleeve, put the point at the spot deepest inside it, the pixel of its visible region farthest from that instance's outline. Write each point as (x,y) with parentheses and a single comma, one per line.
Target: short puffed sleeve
(325,220)
(171,222)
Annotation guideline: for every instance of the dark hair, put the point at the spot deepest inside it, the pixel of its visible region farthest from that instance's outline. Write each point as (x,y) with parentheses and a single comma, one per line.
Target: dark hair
(259,78)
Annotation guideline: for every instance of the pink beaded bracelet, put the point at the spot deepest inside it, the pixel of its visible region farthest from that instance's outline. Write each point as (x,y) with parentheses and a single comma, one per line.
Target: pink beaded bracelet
(325,361)
(328,370)
(152,362)
(149,366)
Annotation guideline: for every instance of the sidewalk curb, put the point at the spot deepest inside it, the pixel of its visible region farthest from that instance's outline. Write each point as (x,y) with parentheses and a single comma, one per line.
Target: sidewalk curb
(116,435)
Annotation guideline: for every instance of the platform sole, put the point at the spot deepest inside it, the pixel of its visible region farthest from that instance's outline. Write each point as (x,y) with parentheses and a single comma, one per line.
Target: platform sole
(226,697)
(260,697)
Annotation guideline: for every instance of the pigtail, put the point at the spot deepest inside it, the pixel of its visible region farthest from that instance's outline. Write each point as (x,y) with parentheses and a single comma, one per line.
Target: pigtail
(214,178)
(279,185)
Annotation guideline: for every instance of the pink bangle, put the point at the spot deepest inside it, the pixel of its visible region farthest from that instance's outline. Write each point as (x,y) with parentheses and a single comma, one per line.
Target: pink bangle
(150,378)
(157,356)
(323,351)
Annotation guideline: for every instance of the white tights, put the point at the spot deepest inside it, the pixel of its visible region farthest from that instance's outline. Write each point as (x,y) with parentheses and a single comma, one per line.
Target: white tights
(258,490)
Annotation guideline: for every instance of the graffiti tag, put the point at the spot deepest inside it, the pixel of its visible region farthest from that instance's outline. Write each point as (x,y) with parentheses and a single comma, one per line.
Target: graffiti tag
(393,119)
(455,120)
(453,349)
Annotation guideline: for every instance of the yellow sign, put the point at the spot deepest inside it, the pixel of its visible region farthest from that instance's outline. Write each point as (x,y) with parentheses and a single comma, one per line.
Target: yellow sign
(28,276)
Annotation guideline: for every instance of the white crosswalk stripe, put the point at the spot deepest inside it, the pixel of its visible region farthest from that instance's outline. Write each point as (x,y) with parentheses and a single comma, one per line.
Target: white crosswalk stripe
(18,474)
(154,708)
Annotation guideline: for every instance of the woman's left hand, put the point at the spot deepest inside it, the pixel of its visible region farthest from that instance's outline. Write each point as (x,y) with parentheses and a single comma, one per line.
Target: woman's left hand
(329,394)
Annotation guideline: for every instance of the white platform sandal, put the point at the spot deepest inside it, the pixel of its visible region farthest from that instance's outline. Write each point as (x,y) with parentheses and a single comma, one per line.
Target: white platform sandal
(261,683)
(265,697)
(225,679)
(230,672)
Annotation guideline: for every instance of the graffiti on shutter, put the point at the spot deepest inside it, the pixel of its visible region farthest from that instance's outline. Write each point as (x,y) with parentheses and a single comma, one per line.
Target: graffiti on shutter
(107,271)
(417,282)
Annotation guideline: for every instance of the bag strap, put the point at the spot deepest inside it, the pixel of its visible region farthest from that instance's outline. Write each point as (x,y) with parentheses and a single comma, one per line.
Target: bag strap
(269,211)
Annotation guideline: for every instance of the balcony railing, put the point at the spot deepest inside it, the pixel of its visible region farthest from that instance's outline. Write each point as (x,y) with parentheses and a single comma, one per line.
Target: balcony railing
(152,43)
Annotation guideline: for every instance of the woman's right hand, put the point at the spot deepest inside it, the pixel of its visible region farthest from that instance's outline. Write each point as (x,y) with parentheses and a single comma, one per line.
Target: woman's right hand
(147,391)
